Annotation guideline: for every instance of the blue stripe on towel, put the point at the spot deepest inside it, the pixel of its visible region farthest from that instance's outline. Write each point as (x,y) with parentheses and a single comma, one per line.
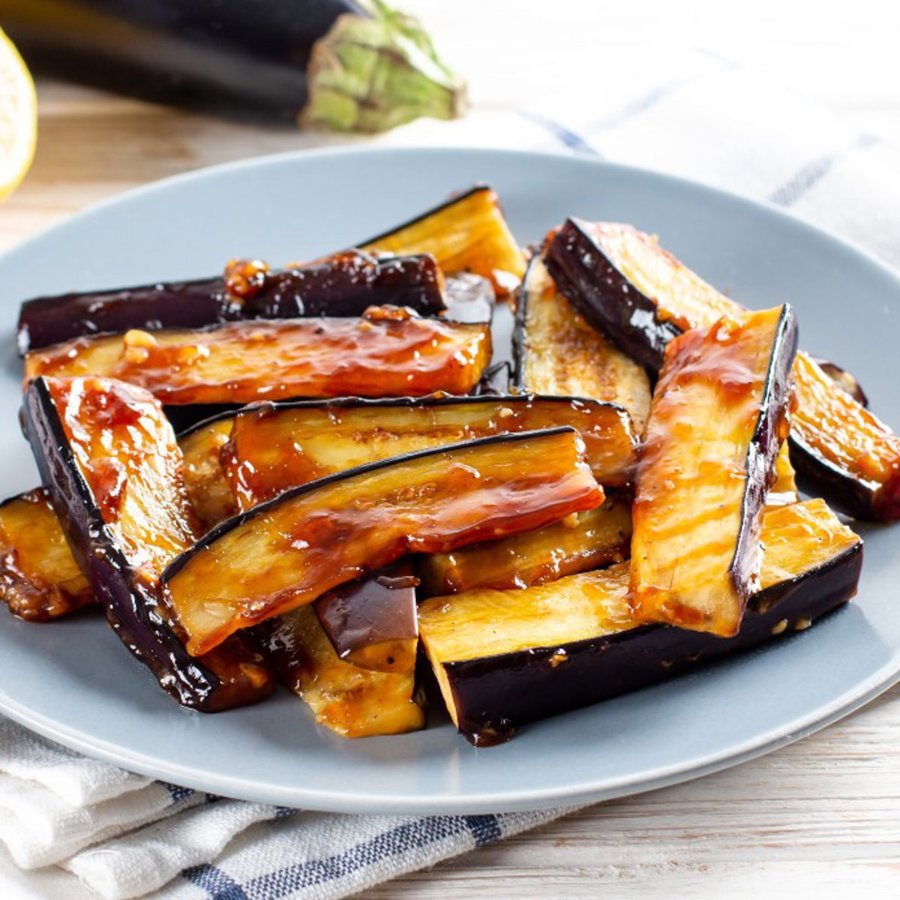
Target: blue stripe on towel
(564,135)
(176,792)
(396,842)
(813,172)
(215,882)
(485,829)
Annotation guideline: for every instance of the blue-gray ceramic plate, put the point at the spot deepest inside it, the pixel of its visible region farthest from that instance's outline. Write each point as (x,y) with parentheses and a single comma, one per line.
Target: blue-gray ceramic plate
(75,683)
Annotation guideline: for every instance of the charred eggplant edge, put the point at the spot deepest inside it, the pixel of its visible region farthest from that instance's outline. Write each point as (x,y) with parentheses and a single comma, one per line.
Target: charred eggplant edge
(601,668)
(242,518)
(192,684)
(765,444)
(644,342)
(427,214)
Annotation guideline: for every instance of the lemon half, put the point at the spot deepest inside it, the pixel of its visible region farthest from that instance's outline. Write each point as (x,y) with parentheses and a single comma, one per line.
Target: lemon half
(18,117)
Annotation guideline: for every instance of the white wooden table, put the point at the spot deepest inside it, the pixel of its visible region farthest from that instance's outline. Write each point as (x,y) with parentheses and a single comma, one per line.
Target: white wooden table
(818,818)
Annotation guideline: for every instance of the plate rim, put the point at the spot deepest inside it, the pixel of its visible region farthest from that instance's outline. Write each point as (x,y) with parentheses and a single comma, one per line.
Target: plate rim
(586,791)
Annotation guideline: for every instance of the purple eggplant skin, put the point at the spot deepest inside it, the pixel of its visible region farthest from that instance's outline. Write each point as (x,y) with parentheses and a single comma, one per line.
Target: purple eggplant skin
(377,608)
(520,322)
(246,59)
(630,320)
(345,285)
(130,606)
(606,298)
(496,695)
(765,444)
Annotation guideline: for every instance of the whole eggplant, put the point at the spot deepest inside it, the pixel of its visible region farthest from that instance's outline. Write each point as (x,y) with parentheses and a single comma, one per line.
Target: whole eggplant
(347,65)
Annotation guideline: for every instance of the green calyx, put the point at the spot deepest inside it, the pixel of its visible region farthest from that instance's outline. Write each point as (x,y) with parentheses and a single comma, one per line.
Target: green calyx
(372,74)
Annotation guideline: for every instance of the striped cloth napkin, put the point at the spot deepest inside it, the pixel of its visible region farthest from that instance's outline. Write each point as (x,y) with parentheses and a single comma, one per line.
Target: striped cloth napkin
(73,827)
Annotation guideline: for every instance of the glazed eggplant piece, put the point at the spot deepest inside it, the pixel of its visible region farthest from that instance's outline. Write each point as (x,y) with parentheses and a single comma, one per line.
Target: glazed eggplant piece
(372,622)
(579,543)
(350,700)
(506,658)
(343,285)
(468,233)
(114,473)
(389,352)
(346,65)
(717,421)
(630,289)
(840,445)
(275,447)
(556,351)
(845,380)
(291,550)
(208,490)
(39,578)
(641,297)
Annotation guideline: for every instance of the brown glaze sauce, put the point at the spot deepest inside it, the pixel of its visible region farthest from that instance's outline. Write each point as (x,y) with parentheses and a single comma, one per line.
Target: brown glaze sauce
(469,235)
(39,578)
(269,360)
(273,450)
(695,464)
(293,552)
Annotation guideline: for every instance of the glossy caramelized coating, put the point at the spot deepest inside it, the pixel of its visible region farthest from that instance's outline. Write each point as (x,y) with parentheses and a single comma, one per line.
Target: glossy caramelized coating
(273,448)
(350,700)
(466,234)
(114,469)
(845,437)
(372,622)
(718,418)
(39,578)
(504,658)
(558,352)
(344,284)
(208,490)
(578,543)
(390,352)
(291,550)
(642,297)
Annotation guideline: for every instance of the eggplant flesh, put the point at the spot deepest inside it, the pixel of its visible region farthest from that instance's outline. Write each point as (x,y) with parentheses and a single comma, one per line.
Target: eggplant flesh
(275,447)
(842,446)
(845,380)
(717,421)
(557,351)
(348,699)
(113,470)
(579,543)
(291,550)
(467,233)
(372,622)
(506,658)
(39,578)
(641,297)
(343,285)
(208,490)
(389,352)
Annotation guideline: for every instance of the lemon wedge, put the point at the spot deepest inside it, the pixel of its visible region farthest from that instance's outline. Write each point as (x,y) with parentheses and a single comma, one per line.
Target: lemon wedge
(18,117)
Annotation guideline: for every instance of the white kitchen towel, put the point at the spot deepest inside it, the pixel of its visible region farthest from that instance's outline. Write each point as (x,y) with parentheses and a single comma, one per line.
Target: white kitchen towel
(125,836)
